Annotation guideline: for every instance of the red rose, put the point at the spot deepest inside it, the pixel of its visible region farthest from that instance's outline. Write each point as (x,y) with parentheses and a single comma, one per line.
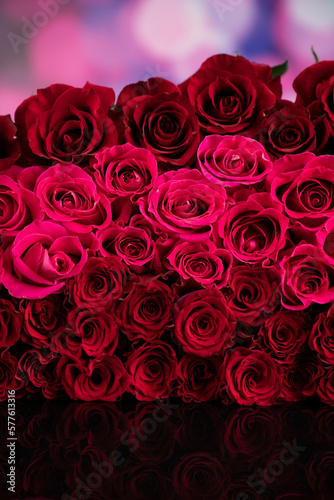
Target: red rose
(38,371)
(163,123)
(125,171)
(325,389)
(321,339)
(100,282)
(301,378)
(204,324)
(314,87)
(253,293)
(146,312)
(233,160)
(307,277)
(254,230)
(197,378)
(102,378)
(42,256)
(252,377)
(184,204)
(9,147)
(230,95)
(134,243)
(66,124)
(288,129)
(202,262)
(283,335)
(151,368)
(304,185)
(19,207)
(43,319)
(67,194)
(91,332)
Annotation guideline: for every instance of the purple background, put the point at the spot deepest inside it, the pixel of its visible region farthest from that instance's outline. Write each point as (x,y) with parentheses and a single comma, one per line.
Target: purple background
(115,42)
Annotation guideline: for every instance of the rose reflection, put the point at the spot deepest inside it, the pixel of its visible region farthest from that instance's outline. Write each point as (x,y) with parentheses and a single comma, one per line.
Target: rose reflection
(171,451)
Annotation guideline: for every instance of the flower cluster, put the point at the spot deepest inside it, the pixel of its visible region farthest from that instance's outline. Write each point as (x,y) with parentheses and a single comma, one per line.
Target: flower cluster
(178,241)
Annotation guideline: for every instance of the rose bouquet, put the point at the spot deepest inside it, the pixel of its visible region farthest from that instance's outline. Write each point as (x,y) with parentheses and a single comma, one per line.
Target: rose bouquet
(177,242)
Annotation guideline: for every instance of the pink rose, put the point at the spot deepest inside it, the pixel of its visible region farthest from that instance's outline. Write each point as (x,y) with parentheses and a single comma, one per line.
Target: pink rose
(185,204)
(233,160)
(125,170)
(42,256)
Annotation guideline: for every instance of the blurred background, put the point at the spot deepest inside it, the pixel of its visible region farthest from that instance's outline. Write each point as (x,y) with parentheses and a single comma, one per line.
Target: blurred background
(116,42)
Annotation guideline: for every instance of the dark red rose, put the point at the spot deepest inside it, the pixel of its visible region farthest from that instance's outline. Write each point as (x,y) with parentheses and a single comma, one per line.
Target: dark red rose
(254,230)
(9,377)
(125,171)
(200,475)
(66,124)
(304,185)
(102,378)
(314,87)
(283,335)
(204,324)
(185,204)
(288,129)
(38,371)
(321,339)
(325,389)
(164,123)
(151,368)
(203,262)
(230,95)
(251,377)
(101,281)
(197,378)
(9,146)
(43,319)
(10,324)
(93,332)
(146,312)
(301,378)
(253,293)
(134,243)
(307,277)
(251,433)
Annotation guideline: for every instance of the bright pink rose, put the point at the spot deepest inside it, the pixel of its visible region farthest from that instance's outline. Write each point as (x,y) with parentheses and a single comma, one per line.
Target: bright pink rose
(42,256)
(304,185)
(185,204)
(68,194)
(125,170)
(233,160)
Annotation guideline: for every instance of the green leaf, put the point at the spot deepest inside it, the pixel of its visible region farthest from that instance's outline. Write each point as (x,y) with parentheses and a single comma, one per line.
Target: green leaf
(315,54)
(279,70)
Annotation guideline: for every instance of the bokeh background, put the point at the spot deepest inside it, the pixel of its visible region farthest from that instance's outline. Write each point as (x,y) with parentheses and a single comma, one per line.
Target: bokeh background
(115,42)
